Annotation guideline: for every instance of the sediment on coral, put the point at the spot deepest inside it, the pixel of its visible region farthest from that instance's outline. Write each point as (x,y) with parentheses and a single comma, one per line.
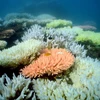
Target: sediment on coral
(35,31)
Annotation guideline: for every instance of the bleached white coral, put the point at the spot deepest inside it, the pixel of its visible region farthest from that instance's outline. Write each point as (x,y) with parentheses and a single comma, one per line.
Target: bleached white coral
(61,38)
(76,49)
(12,16)
(20,54)
(85,78)
(17,88)
(35,31)
(65,38)
(17,18)
(86,75)
(57,90)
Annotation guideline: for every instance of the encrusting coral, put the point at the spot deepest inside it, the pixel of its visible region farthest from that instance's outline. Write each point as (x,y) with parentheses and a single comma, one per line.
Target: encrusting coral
(51,62)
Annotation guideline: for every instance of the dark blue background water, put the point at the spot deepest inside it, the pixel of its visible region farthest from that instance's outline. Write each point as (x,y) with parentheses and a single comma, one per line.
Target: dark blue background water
(79,11)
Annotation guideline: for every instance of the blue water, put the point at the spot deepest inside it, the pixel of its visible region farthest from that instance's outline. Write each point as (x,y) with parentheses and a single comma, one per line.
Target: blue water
(79,11)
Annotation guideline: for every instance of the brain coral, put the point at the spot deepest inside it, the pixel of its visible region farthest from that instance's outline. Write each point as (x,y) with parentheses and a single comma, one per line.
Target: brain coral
(51,62)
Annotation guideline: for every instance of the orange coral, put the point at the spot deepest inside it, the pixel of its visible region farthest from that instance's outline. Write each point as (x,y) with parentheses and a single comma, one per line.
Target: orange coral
(51,62)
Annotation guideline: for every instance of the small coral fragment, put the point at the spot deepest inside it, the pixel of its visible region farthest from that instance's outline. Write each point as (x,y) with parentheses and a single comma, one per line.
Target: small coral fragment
(51,62)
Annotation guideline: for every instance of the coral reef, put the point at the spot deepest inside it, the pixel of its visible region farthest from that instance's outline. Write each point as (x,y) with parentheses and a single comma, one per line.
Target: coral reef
(61,38)
(62,71)
(17,88)
(17,17)
(41,19)
(51,62)
(85,83)
(19,22)
(35,31)
(20,54)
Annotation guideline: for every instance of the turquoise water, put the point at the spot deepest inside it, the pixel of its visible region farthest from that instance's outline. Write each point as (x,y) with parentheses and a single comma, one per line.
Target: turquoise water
(79,11)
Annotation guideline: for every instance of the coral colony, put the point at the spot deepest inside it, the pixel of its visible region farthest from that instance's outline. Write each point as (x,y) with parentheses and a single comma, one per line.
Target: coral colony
(54,60)
(50,62)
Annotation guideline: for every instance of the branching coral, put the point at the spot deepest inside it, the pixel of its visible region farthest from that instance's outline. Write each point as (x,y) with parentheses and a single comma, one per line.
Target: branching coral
(51,62)
(16,89)
(56,90)
(61,38)
(65,38)
(20,54)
